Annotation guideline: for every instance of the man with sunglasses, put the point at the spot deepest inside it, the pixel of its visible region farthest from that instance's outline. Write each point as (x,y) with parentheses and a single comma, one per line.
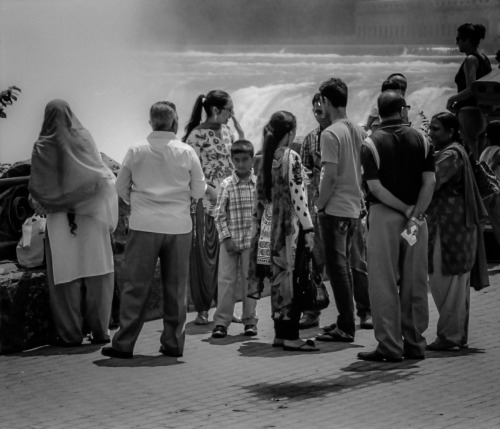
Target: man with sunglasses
(398,169)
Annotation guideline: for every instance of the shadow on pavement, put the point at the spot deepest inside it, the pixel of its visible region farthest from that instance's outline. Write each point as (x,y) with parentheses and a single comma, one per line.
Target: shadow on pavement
(137,362)
(366,366)
(299,391)
(193,329)
(451,354)
(59,350)
(230,339)
(255,348)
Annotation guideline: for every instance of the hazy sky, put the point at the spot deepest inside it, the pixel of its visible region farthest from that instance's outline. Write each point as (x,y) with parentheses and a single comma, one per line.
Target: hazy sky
(59,49)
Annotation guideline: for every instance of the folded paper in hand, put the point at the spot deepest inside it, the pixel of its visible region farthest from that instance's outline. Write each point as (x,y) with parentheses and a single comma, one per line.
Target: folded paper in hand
(411,238)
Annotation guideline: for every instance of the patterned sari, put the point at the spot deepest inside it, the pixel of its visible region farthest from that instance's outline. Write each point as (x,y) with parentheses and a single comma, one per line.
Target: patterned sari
(457,210)
(212,142)
(273,254)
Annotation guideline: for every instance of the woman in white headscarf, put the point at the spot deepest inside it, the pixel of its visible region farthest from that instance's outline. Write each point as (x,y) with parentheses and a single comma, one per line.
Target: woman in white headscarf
(71,182)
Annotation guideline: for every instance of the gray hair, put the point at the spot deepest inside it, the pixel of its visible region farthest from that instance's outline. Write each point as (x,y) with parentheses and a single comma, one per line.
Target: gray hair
(163,116)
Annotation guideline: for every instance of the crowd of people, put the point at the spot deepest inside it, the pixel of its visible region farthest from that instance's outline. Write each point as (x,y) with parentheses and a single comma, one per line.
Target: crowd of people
(386,210)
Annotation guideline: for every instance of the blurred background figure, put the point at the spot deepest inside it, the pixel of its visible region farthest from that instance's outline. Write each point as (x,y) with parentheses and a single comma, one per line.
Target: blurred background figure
(491,155)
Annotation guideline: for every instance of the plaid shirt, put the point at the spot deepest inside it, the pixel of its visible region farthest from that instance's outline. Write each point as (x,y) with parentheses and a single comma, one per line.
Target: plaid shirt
(233,211)
(310,153)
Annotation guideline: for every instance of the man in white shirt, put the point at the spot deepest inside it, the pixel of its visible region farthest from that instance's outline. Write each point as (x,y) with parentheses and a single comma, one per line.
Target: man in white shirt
(158,178)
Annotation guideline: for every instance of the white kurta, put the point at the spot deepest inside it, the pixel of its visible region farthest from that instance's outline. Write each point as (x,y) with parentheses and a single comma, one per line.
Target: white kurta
(87,253)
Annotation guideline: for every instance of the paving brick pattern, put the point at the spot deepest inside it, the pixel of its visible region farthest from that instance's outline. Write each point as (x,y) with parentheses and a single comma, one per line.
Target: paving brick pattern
(242,382)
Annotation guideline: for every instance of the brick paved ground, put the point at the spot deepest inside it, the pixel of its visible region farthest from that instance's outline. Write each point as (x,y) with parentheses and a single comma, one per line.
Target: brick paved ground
(240,382)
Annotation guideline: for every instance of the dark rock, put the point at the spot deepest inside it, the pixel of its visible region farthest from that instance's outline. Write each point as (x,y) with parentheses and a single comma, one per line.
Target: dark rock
(25,319)
(21,168)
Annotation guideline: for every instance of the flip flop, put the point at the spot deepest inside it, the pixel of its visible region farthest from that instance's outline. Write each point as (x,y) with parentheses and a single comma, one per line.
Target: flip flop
(307,346)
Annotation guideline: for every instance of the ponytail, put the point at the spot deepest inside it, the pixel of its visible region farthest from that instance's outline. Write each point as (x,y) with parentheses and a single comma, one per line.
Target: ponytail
(280,124)
(195,118)
(269,145)
(71,222)
(215,98)
(480,31)
(472,32)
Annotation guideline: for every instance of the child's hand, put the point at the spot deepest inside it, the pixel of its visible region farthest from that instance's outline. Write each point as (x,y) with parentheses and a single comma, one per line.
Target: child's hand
(230,246)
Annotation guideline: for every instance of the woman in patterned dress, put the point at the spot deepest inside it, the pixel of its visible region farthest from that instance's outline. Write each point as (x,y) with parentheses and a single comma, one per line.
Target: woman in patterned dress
(283,229)
(212,142)
(455,234)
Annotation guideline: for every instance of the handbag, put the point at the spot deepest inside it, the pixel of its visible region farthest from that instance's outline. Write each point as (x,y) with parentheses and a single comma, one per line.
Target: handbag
(30,250)
(487,183)
(312,292)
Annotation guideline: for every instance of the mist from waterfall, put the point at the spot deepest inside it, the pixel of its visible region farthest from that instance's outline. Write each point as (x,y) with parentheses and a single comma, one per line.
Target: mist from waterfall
(105,58)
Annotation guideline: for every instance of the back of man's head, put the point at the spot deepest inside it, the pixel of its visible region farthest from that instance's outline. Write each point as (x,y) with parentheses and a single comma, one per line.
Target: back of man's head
(390,103)
(163,116)
(393,84)
(335,90)
(401,79)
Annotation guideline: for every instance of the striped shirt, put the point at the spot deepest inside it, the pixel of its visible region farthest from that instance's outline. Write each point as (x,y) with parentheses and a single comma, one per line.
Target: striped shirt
(233,211)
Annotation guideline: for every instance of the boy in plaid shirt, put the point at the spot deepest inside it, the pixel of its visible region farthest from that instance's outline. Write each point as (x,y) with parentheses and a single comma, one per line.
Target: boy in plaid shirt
(233,219)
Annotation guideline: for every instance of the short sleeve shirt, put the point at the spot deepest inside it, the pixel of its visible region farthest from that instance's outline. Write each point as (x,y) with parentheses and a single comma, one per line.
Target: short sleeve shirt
(341,144)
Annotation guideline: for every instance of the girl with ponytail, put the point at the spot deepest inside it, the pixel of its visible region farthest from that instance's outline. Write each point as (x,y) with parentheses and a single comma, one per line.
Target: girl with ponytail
(464,105)
(212,142)
(283,230)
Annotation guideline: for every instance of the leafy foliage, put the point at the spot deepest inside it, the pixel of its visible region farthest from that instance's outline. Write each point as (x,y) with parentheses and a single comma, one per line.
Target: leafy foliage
(7,97)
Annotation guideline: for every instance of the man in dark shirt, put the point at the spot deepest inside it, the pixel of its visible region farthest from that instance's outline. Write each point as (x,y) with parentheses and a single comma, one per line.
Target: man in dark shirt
(398,167)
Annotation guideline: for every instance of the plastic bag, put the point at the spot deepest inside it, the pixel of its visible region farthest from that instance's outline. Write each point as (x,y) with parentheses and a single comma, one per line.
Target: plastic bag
(30,250)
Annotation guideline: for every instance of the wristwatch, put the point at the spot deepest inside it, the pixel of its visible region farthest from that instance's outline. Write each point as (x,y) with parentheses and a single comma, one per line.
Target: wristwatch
(419,220)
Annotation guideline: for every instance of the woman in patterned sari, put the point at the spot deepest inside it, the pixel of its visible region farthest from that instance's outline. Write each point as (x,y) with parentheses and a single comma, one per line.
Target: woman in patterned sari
(283,229)
(212,142)
(455,234)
